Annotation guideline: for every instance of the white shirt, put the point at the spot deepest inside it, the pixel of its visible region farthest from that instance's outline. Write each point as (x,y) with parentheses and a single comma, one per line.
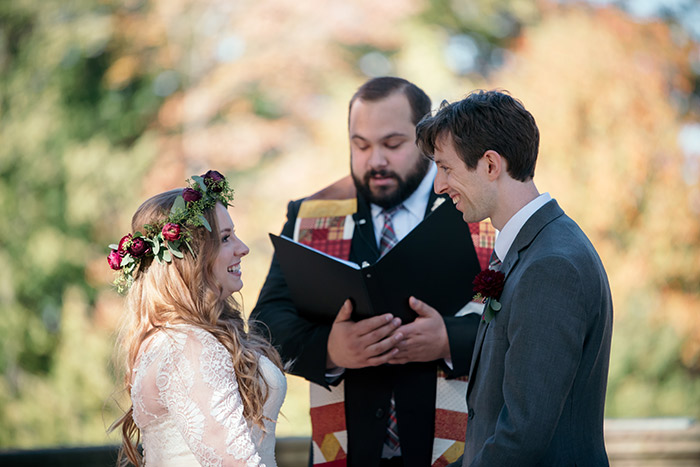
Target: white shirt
(413,209)
(507,235)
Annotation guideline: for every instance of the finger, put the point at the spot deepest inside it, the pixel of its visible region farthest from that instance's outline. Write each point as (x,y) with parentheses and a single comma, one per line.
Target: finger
(369,325)
(384,345)
(407,354)
(382,359)
(409,329)
(420,307)
(380,333)
(345,312)
(399,358)
(406,344)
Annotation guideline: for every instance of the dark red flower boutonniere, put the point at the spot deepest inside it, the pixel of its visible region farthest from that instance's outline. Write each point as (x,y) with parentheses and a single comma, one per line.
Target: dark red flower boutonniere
(488,285)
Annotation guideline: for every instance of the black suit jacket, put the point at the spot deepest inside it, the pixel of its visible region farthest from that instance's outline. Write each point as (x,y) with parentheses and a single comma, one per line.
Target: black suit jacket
(367,390)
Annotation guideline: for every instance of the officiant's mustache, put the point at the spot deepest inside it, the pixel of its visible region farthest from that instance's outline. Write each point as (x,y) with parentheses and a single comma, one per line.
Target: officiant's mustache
(380,173)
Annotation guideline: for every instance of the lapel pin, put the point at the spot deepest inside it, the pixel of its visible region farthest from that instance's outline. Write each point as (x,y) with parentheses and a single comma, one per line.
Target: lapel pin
(437,203)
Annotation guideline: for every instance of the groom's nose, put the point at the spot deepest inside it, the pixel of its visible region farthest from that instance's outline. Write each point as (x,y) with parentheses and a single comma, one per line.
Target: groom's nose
(440,184)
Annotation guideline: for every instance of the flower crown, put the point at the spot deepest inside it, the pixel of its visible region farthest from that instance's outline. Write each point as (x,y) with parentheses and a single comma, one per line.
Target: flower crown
(164,240)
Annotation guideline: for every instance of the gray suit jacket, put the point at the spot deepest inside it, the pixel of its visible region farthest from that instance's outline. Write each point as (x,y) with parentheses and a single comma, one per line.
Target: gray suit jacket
(539,371)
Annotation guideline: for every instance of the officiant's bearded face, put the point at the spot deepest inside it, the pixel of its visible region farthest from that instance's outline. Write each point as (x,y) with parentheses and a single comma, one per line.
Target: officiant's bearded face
(386,164)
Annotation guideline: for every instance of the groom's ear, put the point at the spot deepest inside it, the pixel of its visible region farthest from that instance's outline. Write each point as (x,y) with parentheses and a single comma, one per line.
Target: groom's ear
(495,164)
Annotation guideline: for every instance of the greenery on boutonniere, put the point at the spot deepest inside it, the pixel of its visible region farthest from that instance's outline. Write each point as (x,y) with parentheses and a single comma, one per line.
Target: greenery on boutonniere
(166,239)
(488,285)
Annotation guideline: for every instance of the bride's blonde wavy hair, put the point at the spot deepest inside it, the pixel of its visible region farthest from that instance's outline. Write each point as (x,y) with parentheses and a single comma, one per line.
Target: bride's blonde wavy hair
(186,291)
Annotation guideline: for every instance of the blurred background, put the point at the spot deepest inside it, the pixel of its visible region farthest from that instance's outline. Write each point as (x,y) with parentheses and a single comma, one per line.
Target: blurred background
(104,103)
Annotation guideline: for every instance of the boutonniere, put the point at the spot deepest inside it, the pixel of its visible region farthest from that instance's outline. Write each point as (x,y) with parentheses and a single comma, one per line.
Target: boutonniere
(437,203)
(488,285)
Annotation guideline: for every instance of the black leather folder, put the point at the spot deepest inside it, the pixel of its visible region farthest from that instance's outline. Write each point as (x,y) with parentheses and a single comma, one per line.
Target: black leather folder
(435,262)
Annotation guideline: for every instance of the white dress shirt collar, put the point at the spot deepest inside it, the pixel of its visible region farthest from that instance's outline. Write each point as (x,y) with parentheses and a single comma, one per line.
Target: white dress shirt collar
(414,208)
(507,235)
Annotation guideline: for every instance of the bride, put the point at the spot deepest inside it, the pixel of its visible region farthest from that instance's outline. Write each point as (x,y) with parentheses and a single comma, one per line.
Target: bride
(203,389)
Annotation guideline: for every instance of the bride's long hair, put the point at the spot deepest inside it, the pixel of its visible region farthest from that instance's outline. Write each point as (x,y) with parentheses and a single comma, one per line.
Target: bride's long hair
(186,291)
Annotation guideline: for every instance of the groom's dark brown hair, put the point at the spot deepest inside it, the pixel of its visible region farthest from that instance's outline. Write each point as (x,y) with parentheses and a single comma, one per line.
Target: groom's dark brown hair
(485,120)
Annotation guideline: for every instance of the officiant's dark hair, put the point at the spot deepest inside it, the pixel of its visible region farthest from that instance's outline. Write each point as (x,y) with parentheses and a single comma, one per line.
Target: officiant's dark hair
(485,120)
(380,88)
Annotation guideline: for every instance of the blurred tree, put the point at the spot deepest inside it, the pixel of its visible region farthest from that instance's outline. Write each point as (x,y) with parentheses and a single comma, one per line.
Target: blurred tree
(71,143)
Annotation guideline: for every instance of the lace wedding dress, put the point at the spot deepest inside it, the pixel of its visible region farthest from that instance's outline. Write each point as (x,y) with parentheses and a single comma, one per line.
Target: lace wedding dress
(188,407)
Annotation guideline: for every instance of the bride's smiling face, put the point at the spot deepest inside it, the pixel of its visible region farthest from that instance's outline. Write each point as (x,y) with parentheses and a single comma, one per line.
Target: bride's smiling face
(227,266)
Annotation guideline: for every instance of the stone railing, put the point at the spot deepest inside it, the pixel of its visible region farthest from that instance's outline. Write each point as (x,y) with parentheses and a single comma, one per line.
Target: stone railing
(648,442)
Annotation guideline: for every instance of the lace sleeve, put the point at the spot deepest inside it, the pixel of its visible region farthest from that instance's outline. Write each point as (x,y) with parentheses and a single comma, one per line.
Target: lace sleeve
(198,387)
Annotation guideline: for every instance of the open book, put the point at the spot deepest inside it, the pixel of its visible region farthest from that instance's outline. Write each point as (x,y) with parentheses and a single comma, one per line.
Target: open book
(435,262)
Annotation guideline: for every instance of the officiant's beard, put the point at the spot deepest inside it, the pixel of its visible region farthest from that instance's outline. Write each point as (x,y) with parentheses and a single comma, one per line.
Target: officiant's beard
(388,198)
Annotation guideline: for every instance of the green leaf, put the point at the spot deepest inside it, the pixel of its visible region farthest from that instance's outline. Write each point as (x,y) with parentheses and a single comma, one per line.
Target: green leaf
(155,246)
(114,246)
(166,255)
(492,307)
(175,252)
(190,248)
(204,222)
(127,260)
(200,181)
(178,205)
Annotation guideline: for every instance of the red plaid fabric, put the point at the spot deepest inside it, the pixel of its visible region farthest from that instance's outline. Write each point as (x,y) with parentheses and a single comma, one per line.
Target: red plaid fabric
(484,239)
(325,234)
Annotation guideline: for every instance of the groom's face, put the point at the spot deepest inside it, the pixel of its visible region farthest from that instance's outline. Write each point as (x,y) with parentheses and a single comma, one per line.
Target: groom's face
(469,190)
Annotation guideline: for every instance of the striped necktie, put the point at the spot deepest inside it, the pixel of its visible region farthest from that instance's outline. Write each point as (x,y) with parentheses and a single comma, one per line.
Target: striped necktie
(387,241)
(494,262)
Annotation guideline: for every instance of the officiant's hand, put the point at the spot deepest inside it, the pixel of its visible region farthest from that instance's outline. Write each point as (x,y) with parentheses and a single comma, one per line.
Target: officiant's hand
(369,342)
(425,339)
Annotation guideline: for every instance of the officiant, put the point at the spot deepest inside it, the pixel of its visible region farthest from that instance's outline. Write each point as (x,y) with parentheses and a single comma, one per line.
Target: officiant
(379,385)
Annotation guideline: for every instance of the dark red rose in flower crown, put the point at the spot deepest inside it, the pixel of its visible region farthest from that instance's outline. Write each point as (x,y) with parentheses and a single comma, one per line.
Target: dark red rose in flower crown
(171,232)
(124,244)
(212,179)
(138,247)
(190,194)
(114,259)
(489,283)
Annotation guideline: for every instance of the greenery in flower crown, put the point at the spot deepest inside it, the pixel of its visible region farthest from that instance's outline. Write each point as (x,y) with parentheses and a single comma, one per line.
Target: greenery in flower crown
(165,240)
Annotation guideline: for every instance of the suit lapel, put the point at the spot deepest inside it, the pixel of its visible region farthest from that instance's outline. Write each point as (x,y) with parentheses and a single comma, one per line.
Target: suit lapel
(477,353)
(527,234)
(434,201)
(364,242)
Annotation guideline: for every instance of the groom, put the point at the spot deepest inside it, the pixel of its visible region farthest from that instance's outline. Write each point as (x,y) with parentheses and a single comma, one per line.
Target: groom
(539,370)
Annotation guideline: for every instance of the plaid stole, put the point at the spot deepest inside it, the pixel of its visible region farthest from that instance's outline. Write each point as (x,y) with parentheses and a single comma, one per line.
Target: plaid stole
(327,225)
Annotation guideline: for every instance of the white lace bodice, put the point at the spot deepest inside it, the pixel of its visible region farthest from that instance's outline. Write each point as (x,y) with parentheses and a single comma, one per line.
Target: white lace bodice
(188,407)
